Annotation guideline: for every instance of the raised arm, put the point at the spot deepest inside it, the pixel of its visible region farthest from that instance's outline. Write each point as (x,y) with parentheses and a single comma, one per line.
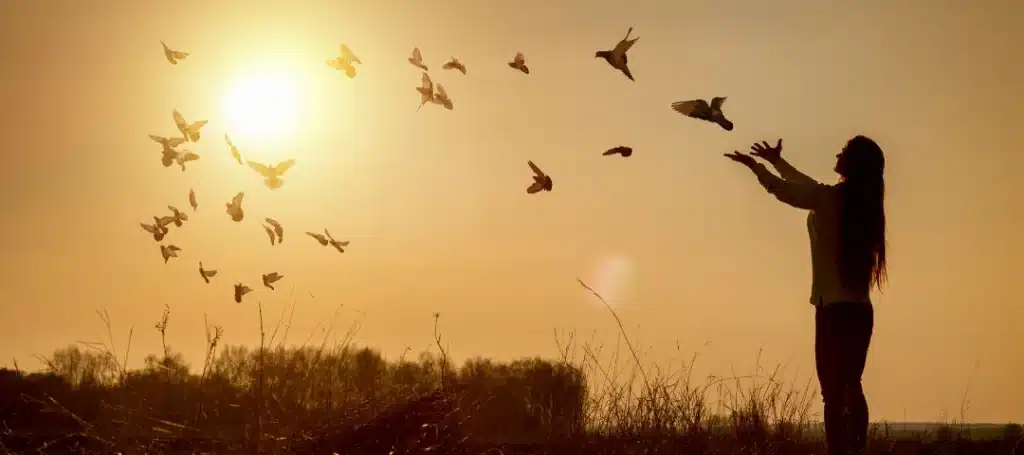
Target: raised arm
(790,173)
(804,194)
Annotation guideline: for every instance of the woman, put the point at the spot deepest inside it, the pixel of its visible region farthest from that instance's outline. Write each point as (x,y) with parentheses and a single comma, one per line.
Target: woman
(846,224)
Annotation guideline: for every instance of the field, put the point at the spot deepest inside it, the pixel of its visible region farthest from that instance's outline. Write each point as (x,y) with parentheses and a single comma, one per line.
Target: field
(340,398)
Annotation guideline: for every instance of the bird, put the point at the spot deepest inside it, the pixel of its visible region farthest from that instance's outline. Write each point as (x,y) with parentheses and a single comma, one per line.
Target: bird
(168,143)
(338,245)
(270,278)
(158,230)
(319,238)
(617,57)
(234,150)
(190,131)
(235,207)
(206,274)
(168,252)
(272,174)
(278,229)
(621,150)
(270,233)
(455,64)
(241,290)
(700,109)
(442,98)
(345,62)
(192,199)
(417,59)
(541,181)
(177,215)
(163,221)
(426,90)
(183,157)
(519,63)
(173,56)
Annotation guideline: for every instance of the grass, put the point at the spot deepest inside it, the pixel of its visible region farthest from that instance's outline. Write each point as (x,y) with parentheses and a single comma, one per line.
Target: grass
(323,397)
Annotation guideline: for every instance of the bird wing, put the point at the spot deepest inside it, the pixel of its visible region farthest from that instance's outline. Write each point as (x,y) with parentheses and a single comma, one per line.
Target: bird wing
(192,198)
(691,107)
(158,139)
(336,63)
(536,170)
(179,119)
(188,156)
(164,221)
(237,200)
(625,44)
(175,141)
(613,151)
(537,186)
(717,102)
(283,166)
(347,54)
(262,169)
(441,92)
(228,140)
(426,83)
(416,54)
(520,59)
(150,228)
(179,54)
(196,125)
(453,64)
(319,237)
(274,223)
(210,273)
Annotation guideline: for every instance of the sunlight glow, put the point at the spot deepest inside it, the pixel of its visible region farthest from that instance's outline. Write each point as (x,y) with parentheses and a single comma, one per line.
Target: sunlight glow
(613,278)
(262,107)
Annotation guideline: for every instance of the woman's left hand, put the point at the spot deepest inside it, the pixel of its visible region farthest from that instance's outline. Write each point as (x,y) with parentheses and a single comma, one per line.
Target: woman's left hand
(742,158)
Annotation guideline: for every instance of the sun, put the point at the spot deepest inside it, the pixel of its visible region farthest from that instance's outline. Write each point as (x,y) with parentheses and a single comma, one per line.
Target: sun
(262,107)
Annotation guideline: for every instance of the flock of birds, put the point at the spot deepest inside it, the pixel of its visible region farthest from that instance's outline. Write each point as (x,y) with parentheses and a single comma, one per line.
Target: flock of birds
(430,92)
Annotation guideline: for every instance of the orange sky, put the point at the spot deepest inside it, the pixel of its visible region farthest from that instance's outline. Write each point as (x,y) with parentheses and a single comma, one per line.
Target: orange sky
(434,201)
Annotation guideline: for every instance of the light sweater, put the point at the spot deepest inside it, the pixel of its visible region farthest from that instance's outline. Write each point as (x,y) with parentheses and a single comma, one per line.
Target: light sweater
(821,200)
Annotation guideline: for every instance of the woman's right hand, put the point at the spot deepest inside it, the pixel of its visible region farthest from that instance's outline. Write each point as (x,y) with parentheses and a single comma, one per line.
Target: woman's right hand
(767,152)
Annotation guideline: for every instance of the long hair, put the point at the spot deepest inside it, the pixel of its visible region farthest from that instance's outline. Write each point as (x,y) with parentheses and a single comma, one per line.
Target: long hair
(862,261)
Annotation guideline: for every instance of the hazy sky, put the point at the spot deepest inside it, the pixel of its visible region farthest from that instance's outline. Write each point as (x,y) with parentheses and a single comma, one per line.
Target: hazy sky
(434,201)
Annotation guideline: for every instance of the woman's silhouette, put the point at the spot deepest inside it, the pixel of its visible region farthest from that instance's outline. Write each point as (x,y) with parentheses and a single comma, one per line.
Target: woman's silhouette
(846,224)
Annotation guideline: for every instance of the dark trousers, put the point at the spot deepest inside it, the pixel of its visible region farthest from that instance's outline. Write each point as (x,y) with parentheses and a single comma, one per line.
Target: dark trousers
(842,334)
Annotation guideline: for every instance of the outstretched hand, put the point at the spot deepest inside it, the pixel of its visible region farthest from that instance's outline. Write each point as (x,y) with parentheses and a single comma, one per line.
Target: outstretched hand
(767,152)
(742,158)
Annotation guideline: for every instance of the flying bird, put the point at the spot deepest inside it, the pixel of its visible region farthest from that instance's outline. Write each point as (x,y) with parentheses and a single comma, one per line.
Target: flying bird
(168,252)
(519,63)
(206,274)
(272,174)
(270,278)
(158,230)
(541,181)
(345,62)
(235,207)
(190,131)
(241,290)
(338,245)
(617,57)
(173,56)
(319,238)
(278,230)
(183,157)
(417,59)
(442,98)
(700,109)
(455,64)
(178,215)
(621,150)
(192,199)
(168,143)
(234,150)
(270,233)
(426,90)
